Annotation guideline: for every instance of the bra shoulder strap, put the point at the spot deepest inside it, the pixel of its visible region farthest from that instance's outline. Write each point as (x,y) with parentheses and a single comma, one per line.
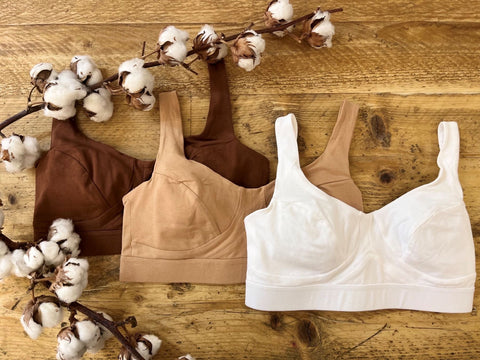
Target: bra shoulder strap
(171,131)
(448,156)
(338,145)
(219,119)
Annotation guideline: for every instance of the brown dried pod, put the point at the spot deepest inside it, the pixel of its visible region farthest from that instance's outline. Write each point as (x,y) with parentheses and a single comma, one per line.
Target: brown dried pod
(208,45)
(41,74)
(318,30)
(247,49)
(278,12)
(172,46)
(146,345)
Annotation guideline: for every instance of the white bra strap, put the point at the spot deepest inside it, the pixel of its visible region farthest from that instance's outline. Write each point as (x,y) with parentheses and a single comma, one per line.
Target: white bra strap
(286,131)
(449,144)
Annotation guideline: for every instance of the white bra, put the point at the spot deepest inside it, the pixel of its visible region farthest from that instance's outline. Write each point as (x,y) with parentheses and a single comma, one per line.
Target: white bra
(310,251)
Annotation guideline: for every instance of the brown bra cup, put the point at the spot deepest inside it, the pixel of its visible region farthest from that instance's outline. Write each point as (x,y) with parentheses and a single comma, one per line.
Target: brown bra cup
(84,180)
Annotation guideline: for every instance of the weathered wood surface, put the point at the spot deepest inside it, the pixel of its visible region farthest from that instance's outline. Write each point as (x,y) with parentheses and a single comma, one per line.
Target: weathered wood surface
(408,65)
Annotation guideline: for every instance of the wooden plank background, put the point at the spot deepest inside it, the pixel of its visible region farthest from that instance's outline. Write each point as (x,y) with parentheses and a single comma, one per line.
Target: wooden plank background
(408,64)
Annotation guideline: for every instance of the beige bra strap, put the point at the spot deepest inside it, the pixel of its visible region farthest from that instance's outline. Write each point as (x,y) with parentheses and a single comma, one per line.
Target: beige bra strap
(338,146)
(171,131)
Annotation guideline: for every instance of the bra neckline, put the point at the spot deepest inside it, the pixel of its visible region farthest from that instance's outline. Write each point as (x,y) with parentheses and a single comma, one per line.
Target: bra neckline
(73,124)
(181,152)
(319,193)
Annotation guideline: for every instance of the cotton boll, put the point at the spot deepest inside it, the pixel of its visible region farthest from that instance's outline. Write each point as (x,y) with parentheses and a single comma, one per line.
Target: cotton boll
(173,45)
(60,230)
(33,258)
(20,152)
(247,50)
(86,69)
(69,294)
(278,12)
(134,78)
(319,30)
(148,100)
(69,346)
(19,268)
(186,357)
(137,81)
(68,77)
(247,64)
(131,65)
(60,95)
(71,279)
(33,151)
(3,247)
(41,74)
(155,341)
(281,10)
(13,153)
(147,342)
(208,46)
(142,102)
(256,42)
(64,113)
(40,67)
(71,244)
(31,327)
(51,253)
(75,270)
(5,265)
(50,314)
(99,105)
(89,333)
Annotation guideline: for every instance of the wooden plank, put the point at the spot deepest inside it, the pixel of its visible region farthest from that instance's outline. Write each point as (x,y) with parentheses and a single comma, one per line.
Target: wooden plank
(199,12)
(408,65)
(405,58)
(382,172)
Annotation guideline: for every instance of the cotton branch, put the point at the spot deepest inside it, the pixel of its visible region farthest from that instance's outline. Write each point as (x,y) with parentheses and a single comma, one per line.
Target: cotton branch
(276,28)
(109,325)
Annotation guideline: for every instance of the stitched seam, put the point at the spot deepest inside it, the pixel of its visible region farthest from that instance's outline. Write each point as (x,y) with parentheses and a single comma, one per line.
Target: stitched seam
(86,171)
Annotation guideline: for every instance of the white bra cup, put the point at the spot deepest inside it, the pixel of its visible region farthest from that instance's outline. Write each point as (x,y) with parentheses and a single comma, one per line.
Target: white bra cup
(310,251)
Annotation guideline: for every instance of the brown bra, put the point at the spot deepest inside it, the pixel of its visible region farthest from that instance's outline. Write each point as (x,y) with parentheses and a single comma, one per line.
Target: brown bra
(84,180)
(185,224)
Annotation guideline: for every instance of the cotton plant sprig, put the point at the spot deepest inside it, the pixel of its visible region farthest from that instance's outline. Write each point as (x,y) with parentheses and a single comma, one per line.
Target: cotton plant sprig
(83,83)
(55,263)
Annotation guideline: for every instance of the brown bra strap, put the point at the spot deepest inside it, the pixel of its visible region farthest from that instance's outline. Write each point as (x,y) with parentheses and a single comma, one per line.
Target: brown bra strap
(219,120)
(171,131)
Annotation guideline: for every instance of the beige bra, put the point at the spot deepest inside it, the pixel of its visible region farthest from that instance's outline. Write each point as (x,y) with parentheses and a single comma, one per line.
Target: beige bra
(185,224)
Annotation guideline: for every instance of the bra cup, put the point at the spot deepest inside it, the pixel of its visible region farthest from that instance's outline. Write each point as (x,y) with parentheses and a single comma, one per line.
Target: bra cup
(183,210)
(318,254)
(232,160)
(437,251)
(65,177)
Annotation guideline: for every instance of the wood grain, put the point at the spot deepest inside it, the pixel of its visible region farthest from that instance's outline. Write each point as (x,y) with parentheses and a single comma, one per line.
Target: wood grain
(408,65)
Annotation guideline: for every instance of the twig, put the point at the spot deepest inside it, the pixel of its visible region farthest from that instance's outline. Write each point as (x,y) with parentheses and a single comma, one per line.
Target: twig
(20,115)
(114,77)
(14,245)
(109,325)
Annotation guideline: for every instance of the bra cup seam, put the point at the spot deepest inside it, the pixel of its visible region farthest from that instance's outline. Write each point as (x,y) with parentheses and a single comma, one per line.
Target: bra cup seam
(430,217)
(88,174)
